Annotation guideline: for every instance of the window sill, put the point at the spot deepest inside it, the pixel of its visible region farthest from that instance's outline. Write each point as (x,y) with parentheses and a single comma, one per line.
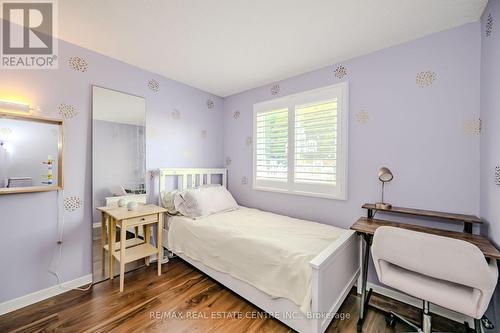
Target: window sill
(341,196)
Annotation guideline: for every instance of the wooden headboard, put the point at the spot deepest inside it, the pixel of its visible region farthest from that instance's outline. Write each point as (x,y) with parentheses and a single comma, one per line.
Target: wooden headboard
(191,177)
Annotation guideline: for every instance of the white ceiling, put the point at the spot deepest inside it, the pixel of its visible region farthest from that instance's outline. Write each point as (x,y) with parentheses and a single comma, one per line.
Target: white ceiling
(228,46)
(118,107)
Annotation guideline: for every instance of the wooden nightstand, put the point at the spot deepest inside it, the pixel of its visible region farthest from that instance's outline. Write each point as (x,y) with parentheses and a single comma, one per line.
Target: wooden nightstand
(144,216)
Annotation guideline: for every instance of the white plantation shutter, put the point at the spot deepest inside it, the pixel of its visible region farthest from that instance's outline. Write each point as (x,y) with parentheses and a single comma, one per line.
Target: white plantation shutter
(271,145)
(300,144)
(316,143)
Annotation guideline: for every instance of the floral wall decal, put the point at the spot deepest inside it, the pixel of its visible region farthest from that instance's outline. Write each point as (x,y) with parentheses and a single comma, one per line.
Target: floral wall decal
(497,175)
(275,89)
(340,72)
(472,127)
(489,25)
(210,104)
(176,114)
(154,85)
(244,180)
(236,114)
(248,141)
(425,79)
(78,64)
(362,117)
(67,111)
(228,160)
(204,134)
(72,203)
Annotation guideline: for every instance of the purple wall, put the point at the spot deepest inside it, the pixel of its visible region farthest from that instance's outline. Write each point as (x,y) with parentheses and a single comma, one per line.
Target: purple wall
(30,220)
(418,132)
(490,134)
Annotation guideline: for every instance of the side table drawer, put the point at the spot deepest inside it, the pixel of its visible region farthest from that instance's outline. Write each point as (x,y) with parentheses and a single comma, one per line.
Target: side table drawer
(142,220)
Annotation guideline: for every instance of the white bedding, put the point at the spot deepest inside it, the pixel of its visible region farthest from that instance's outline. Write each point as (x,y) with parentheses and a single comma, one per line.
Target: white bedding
(269,251)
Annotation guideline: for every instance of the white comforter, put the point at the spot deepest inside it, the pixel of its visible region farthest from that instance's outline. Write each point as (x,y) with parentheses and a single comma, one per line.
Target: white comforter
(269,251)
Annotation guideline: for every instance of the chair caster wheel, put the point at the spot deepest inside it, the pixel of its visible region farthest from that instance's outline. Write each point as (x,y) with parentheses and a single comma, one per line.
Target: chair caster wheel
(390,320)
(487,323)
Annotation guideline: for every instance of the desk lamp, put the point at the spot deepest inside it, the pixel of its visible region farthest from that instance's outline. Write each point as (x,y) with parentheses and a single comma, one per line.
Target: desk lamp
(384,175)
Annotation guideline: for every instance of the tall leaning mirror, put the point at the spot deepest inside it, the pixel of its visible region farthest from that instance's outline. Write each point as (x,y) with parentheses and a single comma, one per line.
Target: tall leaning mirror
(119,165)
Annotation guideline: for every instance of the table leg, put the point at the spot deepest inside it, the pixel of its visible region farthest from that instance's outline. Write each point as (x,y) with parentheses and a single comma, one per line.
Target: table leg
(123,240)
(147,238)
(365,296)
(111,246)
(103,240)
(159,242)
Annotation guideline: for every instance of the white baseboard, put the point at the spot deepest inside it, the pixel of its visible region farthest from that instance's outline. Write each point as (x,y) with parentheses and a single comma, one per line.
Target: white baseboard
(458,317)
(43,294)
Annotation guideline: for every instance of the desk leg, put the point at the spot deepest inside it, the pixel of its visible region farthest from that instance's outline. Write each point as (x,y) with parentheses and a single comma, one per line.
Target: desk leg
(159,244)
(111,247)
(365,296)
(123,240)
(103,240)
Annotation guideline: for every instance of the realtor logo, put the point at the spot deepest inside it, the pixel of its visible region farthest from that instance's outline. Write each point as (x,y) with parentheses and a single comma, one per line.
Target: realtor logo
(28,29)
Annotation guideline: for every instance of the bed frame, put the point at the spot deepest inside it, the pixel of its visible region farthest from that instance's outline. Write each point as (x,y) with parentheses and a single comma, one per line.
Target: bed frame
(334,270)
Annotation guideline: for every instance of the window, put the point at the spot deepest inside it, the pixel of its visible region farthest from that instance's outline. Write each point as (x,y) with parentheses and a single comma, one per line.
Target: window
(300,144)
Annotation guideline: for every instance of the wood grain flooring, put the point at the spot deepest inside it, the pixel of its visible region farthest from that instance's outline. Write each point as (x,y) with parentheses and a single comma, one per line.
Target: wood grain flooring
(182,299)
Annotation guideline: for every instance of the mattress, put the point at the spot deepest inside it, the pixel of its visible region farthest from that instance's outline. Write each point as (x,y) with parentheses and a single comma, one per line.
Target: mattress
(268,251)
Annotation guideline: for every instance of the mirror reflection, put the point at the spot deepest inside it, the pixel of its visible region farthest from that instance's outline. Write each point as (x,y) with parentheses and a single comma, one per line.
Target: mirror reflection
(29,153)
(119,163)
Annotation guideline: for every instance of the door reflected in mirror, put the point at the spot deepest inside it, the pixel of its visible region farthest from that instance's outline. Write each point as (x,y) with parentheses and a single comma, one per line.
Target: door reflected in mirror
(119,166)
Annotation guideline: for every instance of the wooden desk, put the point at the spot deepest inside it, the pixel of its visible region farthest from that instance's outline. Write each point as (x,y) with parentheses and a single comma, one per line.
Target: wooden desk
(144,216)
(366,227)
(467,220)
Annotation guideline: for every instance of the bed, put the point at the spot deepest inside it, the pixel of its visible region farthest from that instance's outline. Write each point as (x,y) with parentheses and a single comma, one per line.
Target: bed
(301,277)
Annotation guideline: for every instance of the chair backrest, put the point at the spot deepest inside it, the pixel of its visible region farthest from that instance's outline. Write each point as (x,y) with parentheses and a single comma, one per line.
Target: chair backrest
(435,256)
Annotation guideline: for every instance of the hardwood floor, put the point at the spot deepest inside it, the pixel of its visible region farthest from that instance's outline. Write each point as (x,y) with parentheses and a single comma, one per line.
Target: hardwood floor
(183,299)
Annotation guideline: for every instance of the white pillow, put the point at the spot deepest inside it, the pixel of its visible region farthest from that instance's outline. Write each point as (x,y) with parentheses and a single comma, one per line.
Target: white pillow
(167,201)
(179,203)
(204,201)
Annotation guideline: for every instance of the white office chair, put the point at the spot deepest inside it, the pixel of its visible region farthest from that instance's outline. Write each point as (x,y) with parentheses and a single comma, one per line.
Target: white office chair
(444,271)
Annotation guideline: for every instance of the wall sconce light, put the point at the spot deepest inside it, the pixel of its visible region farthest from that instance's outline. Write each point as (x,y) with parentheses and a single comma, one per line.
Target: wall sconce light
(15,107)
(384,175)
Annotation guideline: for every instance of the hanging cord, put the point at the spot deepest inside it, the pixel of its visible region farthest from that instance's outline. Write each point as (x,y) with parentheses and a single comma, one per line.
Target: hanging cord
(60,234)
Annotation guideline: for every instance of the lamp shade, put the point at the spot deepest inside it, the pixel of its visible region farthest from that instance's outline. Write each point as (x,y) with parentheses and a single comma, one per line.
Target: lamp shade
(385,175)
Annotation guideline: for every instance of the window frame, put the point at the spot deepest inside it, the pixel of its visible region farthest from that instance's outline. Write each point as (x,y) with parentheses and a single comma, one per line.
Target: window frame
(337,192)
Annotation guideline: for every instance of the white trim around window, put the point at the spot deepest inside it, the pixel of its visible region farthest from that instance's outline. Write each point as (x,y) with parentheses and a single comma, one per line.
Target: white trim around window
(300,143)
